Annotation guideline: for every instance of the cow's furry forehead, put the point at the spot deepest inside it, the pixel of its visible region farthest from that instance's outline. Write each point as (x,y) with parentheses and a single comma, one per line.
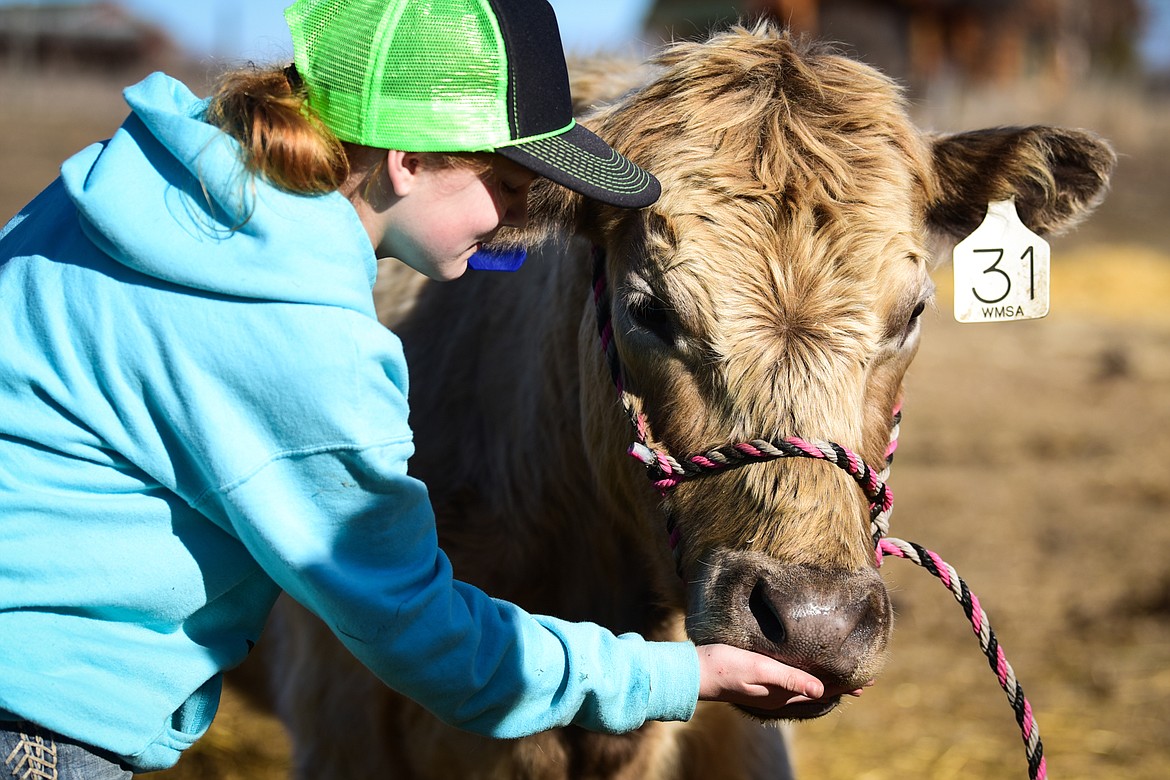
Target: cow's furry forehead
(779,152)
(759,117)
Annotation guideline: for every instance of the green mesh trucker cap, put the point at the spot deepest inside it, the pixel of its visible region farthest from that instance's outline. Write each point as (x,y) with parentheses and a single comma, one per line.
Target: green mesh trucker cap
(456,76)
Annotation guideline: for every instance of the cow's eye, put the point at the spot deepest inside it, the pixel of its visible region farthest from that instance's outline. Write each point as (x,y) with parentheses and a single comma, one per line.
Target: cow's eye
(652,314)
(912,324)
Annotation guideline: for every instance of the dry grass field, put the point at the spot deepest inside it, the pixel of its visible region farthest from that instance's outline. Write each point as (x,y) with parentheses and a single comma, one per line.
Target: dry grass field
(1034,458)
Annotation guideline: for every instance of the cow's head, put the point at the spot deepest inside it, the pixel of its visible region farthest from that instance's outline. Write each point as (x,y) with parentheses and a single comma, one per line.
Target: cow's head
(776,289)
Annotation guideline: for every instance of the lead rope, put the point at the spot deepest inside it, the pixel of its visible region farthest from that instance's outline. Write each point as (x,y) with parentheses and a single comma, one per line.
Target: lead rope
(666,472)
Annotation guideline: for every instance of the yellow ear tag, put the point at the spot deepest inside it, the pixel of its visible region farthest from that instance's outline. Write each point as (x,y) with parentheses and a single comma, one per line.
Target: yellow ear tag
(1001,270)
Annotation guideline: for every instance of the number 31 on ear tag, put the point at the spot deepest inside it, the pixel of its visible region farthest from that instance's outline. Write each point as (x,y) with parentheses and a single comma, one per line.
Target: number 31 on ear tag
(1001,270)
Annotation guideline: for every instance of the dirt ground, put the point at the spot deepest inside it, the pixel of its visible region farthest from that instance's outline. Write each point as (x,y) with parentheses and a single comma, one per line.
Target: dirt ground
(1033,458)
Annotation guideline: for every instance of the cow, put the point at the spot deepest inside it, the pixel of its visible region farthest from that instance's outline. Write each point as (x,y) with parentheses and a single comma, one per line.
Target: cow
(774,290)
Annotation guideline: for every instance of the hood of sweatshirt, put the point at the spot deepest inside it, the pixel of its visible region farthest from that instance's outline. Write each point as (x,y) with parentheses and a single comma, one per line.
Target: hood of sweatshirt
(168,196)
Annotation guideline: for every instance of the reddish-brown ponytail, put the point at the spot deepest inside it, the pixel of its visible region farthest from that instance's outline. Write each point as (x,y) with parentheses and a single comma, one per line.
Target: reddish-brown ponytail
(281,139)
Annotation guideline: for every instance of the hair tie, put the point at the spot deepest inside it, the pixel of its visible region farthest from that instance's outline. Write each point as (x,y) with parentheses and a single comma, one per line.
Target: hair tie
(293,76)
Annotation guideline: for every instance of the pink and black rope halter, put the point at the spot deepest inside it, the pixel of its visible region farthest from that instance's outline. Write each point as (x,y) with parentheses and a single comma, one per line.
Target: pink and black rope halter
(666,471)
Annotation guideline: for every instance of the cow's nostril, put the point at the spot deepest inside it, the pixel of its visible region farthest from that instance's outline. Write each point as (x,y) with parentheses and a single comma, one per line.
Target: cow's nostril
(771,626)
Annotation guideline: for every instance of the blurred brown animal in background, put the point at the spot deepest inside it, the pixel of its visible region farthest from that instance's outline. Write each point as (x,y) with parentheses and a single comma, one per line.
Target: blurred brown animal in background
(773,290)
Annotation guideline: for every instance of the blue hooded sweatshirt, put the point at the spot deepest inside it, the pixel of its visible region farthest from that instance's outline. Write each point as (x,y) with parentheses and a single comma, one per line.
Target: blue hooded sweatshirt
(198,409)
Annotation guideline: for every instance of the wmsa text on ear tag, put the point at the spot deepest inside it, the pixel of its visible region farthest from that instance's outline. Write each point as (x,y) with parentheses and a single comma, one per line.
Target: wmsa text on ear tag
(1001,270)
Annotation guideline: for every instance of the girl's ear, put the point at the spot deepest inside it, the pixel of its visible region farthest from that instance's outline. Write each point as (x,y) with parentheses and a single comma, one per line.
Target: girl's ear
(402,169)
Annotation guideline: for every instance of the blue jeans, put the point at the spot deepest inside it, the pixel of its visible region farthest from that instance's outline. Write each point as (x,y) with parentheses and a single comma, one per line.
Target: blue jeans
(28,752)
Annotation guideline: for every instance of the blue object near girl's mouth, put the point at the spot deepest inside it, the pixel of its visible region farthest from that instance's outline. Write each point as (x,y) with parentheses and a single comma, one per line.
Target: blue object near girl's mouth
(487,259)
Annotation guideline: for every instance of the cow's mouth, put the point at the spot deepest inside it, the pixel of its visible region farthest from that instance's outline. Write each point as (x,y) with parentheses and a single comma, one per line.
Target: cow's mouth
(798,711)
(806,710)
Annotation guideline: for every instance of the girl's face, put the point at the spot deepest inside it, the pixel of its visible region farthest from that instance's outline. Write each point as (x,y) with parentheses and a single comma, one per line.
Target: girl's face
(450,212)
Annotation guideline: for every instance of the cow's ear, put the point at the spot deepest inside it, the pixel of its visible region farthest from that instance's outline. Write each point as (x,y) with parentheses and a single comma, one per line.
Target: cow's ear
(1057,177)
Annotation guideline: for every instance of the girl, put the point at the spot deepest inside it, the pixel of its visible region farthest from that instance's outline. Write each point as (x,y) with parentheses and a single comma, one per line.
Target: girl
(200,408)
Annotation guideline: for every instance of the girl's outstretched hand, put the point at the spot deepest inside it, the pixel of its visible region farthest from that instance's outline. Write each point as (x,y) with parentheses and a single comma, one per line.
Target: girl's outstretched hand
(736,676)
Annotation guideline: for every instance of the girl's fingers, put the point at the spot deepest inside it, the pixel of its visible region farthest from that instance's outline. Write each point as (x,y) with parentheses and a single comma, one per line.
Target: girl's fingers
(734,675)
(792,679)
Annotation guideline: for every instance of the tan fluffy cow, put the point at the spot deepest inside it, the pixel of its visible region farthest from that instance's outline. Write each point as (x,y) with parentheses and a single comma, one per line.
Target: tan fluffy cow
(774,289)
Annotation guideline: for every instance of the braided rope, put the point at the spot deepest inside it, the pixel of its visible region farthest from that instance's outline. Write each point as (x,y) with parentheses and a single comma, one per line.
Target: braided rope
(609,346)
(666,472)
(1029,729)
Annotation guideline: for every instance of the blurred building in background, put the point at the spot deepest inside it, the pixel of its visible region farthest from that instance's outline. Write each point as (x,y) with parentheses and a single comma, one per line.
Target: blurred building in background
(959,42)
(97,37)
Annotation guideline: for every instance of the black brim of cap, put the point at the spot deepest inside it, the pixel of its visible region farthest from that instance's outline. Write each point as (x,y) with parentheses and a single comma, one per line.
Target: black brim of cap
(584,163)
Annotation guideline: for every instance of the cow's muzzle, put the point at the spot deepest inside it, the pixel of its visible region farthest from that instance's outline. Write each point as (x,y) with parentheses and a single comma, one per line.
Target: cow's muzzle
(832,623)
